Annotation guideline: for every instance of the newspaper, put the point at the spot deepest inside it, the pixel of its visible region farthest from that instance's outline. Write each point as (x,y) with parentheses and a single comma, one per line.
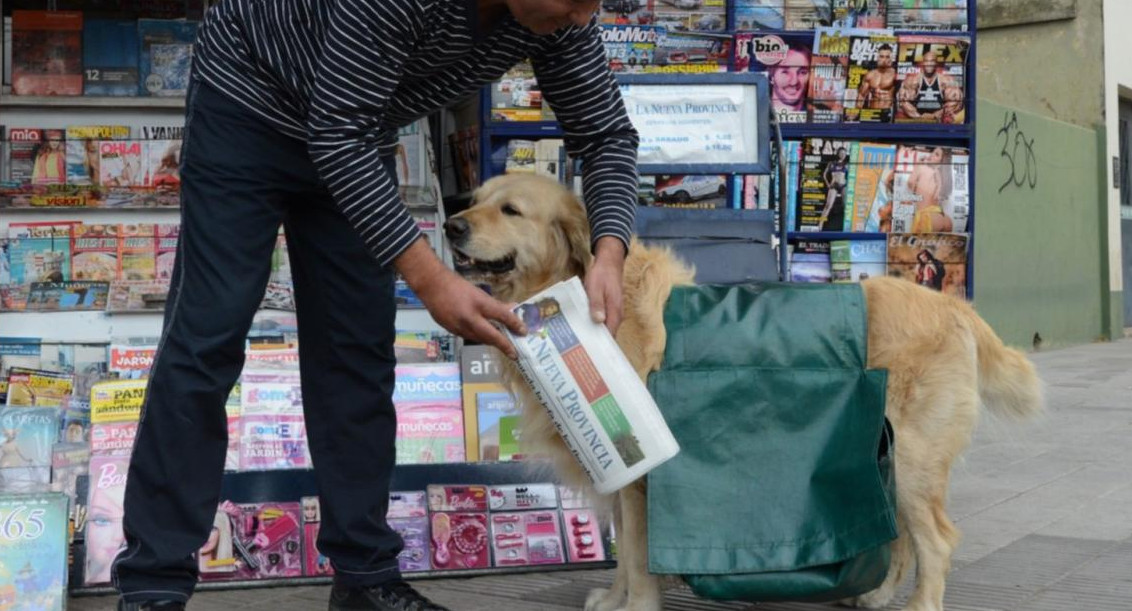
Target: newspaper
(606,415)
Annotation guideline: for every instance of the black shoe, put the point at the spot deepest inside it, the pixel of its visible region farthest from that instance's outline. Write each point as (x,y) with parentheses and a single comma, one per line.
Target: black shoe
(393,596)
(159,605)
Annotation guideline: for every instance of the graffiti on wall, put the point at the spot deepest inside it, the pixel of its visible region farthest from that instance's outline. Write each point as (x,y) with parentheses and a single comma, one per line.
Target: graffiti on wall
(1022,167)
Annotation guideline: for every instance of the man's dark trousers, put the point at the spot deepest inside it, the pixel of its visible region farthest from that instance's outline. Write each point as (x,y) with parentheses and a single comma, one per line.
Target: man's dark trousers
(240,181)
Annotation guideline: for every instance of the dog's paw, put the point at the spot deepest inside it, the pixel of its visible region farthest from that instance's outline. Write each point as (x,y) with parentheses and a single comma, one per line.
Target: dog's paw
(877,599)
(601,599)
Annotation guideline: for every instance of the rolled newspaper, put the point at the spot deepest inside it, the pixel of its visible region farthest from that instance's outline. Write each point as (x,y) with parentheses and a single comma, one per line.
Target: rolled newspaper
(602,410)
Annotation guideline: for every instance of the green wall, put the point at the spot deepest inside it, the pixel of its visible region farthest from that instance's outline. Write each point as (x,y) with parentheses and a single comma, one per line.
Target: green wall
(1040,240)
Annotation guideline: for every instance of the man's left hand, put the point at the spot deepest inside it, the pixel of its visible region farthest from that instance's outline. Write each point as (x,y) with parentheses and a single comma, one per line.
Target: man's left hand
(604,282)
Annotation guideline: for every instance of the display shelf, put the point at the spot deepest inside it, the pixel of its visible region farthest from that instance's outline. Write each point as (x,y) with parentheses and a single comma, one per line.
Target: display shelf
(835,235)
(78,101)
(292,485)
(888,131)
(97,327)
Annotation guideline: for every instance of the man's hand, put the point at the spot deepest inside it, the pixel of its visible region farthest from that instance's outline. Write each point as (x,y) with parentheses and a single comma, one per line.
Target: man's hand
(456,304)
(604,282)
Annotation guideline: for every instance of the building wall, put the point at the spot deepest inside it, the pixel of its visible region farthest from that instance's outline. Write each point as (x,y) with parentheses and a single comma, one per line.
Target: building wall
(1044,239)
(1052,68)
(1038,218)
(1118,84)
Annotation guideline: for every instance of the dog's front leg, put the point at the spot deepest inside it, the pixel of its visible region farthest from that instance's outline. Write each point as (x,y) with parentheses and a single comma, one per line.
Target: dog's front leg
(633,552)
(602,599)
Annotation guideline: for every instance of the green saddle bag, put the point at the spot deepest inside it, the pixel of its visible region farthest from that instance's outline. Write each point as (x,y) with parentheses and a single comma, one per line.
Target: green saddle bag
(783,489)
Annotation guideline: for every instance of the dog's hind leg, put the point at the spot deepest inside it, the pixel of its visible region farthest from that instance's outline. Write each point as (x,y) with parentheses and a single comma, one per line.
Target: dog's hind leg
(602,599)
(901,562)
(644,589)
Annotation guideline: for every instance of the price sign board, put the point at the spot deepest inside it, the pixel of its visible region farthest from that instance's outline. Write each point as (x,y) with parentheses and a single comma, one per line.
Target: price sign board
(699,123)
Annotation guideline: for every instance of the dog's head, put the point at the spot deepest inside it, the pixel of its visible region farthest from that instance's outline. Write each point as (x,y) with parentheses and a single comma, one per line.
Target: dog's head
(522,233)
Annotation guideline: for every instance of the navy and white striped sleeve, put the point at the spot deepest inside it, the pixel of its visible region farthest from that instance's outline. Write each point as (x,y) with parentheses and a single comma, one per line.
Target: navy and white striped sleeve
(574,76)
(358,70)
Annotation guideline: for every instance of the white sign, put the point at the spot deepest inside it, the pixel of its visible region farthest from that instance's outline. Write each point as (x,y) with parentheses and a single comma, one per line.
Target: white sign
(694,124)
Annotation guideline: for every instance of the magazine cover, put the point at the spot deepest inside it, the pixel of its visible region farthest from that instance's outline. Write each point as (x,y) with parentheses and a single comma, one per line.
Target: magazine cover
(166,51)
(280,292)
(807,14)
(870,89)
(47,53)
(498,426)
(117,401)
(759,15)
(70,295)
(430,417)
(693,16)
(686,52)
(935,260)
(824,183)
(23,148)
(627,12)
(27,435)
(839,261)
(69,460)
(930,193)
(810,262)
(34,549)
(121,163)
(110,57)
(786,59)
(39,252)
(233,410)
(931,72)
(166,250)
(928,14)
(104,538)
(867,259)
(860,13)
(272,442)
(131,361)
(520,156)
(95,253)
(874,166)
(703,191)
(162,164)
(829,65)
(479,373)
(48,162)
(39,388)
(630,48)
(83,155)
(137,245)
(516,96)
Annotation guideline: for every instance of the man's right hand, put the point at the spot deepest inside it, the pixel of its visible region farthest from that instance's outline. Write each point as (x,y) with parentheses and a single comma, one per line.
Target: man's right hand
(456,304)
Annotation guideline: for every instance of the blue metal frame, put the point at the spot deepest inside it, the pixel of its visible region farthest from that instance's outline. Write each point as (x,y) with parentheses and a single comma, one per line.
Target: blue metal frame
(762,95)
(960,135)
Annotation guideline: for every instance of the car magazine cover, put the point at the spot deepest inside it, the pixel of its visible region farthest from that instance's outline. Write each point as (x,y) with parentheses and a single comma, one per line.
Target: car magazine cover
(786,59)
(934,260)
(928,15)
(931,71)
(807,14)
(34,552)
(870,88)
(759,15)
(684,190)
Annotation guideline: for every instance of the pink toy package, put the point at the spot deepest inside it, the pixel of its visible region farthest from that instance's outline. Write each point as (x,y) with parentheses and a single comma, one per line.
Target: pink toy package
(459,541)
(408,515)
(457,498)
(583,536)
(269,540)
(522,497)
(314,563)
(524,538)
(407,505)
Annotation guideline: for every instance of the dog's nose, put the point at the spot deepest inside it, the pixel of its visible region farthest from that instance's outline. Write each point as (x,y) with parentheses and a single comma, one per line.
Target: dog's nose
(456,228)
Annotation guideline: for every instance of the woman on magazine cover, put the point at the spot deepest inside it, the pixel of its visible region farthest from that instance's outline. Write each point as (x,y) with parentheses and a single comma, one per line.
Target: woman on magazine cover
(291,119)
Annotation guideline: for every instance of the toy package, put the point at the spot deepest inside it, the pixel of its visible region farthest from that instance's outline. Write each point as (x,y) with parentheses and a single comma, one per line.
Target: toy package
(314,563)
(583,536)
(522,497)
(408,515)
(528,537)
(459,540)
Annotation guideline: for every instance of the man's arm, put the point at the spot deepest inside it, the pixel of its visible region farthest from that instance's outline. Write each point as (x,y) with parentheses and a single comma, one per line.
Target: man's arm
(574,76)
(360,67)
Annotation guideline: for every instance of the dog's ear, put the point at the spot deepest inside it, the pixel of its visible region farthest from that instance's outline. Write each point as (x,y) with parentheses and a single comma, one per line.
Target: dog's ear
(576,227)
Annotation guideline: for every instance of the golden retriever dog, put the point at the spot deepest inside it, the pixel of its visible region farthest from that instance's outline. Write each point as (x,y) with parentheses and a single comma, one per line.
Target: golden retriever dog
(525,232)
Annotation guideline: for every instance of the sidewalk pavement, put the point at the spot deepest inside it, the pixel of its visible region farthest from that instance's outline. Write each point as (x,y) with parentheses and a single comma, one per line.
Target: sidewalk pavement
(1045,509)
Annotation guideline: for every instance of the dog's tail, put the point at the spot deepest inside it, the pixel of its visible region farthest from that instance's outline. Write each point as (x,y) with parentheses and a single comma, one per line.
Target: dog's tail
(1008,381)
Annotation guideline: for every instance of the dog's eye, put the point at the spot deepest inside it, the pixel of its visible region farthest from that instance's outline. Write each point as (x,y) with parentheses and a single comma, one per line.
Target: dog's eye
(511,210)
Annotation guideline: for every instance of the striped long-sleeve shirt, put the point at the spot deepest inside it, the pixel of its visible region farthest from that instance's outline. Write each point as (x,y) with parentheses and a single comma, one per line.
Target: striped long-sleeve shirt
(344,75)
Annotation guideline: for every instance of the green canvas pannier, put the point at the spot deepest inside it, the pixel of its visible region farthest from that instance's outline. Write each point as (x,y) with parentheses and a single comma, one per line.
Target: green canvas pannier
(784,486)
